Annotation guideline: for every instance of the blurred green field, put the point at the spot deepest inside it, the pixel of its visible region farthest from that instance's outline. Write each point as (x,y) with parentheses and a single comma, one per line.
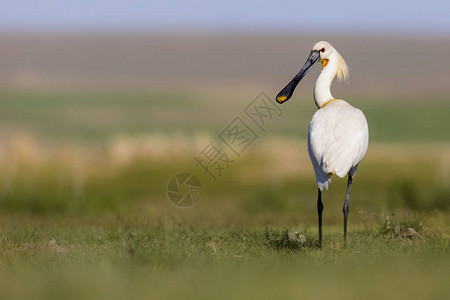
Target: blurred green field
(84,211)
(92,116)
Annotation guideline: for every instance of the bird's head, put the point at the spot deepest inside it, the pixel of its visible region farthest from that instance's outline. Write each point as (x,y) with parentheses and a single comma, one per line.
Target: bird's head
(323,52)
(327,53)
(324,49)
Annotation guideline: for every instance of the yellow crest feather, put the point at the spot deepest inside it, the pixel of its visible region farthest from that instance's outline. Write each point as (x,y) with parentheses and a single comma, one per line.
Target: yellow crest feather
(343,69)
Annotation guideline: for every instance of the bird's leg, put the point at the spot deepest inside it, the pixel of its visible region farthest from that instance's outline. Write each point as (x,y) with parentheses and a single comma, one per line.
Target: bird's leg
(347,206)
(319,211)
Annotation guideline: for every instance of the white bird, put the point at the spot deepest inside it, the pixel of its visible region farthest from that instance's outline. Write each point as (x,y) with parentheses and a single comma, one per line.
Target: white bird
(338,133)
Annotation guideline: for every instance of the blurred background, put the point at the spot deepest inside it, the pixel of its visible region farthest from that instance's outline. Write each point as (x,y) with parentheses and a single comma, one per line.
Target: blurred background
(102,102)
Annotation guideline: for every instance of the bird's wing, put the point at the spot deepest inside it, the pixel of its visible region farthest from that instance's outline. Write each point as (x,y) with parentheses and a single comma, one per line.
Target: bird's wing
(319,132)
(338,138)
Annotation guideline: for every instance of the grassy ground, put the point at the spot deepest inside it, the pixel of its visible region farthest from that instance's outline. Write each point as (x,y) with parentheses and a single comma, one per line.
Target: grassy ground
(84,213)
(113,233)
(115,258)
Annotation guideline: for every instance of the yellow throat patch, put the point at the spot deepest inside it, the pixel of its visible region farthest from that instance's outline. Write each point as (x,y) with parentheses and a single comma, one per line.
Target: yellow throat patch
(324,62)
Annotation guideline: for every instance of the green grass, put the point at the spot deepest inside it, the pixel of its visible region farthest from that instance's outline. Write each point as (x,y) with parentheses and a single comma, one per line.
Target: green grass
(117,257)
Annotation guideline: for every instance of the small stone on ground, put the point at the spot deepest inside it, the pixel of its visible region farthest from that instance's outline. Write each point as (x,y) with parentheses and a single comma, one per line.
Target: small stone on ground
(297,237)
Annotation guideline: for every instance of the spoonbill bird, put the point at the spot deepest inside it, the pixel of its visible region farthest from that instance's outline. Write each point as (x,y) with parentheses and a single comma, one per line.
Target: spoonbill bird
(338,134)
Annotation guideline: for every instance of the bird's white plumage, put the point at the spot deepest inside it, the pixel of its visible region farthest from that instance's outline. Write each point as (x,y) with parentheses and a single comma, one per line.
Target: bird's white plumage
(338,137)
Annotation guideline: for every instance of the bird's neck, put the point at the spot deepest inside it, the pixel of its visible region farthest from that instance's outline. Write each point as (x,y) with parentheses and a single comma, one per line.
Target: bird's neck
(322,93)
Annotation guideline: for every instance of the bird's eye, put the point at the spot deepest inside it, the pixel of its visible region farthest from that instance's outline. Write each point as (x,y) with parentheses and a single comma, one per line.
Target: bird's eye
(322,50)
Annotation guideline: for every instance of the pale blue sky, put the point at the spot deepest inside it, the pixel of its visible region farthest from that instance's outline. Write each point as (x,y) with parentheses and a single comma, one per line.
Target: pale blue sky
(375,16)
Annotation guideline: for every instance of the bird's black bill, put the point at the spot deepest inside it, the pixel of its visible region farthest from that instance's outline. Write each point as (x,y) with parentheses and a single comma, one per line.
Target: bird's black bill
(287,92)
